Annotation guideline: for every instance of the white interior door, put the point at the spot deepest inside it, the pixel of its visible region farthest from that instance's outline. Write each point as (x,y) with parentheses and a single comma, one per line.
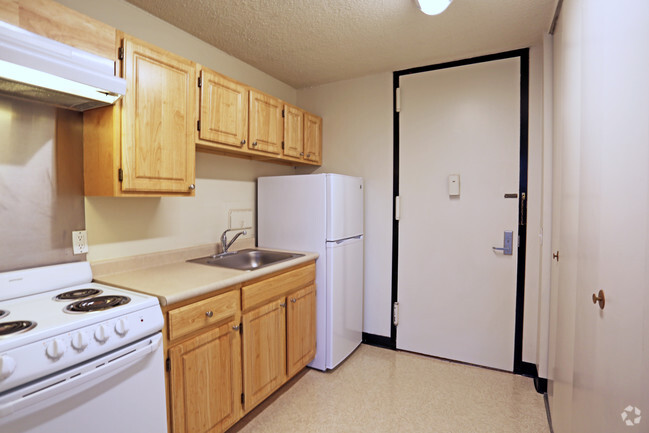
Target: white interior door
(457,296)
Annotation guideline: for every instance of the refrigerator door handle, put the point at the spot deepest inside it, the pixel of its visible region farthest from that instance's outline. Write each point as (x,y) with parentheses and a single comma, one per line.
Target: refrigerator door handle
(340,241)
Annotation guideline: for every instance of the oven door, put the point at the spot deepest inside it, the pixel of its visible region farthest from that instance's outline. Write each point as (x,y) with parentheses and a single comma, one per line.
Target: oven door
(122,391)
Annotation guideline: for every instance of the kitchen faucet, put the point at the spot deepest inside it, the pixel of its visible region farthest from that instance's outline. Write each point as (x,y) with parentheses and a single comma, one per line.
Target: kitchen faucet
(224,239)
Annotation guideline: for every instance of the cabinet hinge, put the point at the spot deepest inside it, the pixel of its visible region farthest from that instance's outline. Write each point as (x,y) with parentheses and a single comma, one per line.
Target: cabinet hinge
(282,113)
(240,328)
(282,145)
(243,398)
(168,364)
(200,81)
(198,125)
(395,314)
(120,174)
(120,53)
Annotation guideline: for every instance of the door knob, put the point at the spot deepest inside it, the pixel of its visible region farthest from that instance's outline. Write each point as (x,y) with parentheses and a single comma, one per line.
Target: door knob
(599,298)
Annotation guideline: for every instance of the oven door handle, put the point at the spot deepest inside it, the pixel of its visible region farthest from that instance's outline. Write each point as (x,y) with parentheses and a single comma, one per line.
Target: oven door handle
(72,381)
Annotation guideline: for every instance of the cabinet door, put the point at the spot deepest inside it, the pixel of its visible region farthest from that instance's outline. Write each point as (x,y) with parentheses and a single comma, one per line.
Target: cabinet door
(312,138)
(264,351)
(300,329)
(293,132)
(205,382)
(224,110)
(265,124)
(158,148)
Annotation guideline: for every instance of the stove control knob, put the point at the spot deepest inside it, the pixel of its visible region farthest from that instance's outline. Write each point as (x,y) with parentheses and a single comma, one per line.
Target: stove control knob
(80,341)
(121,327)
(55,349)
(7,366)
(101,333)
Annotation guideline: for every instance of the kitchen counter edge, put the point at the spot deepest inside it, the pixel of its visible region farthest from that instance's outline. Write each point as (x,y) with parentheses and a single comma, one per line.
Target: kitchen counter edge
(173,283)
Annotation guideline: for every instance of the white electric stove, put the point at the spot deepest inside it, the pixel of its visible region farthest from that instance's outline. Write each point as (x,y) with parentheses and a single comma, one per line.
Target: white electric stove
(69,346)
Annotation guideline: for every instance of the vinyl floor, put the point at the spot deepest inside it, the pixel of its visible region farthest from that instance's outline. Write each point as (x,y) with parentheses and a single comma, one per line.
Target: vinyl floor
(383,391)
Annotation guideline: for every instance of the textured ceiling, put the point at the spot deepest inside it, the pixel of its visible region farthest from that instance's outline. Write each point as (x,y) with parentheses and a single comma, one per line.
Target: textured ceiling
(309,42)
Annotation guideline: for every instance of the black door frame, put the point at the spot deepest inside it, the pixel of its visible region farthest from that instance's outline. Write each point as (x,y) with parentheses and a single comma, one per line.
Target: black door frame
(519,366)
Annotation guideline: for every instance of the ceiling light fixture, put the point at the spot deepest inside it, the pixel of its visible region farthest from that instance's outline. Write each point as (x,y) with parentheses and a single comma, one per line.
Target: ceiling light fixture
(433,7)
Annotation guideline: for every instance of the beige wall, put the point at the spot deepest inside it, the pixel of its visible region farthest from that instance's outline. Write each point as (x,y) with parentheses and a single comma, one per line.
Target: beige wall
(358,131)
(41,192)
(119,227)
(357,137)
(534,207)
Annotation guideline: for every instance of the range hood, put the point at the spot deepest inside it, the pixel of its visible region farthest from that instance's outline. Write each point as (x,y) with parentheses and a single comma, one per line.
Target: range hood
(37,68)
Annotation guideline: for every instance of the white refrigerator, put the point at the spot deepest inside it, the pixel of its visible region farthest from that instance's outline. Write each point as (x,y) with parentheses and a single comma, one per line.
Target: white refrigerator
(321,213)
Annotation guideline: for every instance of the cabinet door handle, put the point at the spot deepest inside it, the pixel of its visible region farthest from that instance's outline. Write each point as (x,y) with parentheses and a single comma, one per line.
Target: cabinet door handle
(293,300)
(209,313)
(192,187)
(301,153)
(254,144)
(283,304)
(236,327)
(308,155)
(243,141)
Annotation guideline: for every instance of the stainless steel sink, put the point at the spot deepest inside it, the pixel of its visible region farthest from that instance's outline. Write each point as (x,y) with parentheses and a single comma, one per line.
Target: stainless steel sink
(246,260)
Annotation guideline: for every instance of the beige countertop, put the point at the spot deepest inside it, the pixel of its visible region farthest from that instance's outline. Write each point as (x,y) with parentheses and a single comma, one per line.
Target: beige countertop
(177,281)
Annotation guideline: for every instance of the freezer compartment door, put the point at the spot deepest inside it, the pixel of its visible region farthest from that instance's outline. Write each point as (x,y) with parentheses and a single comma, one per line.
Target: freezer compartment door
(344,298)
(344,206)
(291,212)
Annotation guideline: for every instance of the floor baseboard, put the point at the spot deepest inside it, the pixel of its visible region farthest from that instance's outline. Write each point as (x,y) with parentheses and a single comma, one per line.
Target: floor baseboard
(378,340)
(540,384)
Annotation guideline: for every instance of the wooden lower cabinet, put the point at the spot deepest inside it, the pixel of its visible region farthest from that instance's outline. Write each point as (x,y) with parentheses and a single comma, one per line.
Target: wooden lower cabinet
(300,329)
(205,381)
(264,351)
(227,352)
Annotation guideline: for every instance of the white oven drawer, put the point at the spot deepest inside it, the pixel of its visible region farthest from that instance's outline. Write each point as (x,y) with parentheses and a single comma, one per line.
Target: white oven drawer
(122,391)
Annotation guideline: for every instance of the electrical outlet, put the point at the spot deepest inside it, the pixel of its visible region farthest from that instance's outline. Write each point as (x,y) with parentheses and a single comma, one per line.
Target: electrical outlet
(79,242)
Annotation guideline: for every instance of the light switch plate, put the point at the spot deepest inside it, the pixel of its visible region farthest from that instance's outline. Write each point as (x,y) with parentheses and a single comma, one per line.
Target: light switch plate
(79,242)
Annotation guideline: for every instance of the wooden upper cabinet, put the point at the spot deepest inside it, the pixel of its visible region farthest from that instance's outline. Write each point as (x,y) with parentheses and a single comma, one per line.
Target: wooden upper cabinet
(266,128)
(144,144)
(55,21)
(157,117)
(313,138)
(293,144)
(223,110)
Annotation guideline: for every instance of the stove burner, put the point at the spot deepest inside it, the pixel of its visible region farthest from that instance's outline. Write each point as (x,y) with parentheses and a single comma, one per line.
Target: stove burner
(77,294)
(3,313)
(97,303)
(8,328)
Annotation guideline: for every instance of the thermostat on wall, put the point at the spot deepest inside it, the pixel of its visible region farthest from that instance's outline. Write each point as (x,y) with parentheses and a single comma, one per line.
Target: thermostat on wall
(454,185)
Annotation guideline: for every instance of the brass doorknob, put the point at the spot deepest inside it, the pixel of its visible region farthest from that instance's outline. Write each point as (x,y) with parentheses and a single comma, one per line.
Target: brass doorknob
(599,298)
